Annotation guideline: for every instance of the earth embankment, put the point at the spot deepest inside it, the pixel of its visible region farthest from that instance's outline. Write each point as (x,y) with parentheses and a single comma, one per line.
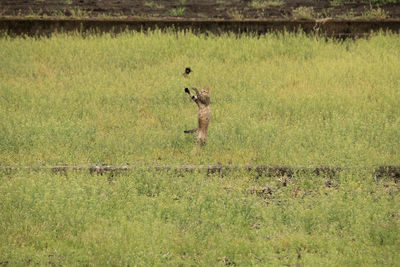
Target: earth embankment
(328,27)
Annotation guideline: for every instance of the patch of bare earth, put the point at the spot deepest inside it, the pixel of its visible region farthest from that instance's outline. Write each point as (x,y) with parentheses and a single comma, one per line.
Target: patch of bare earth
(214,9)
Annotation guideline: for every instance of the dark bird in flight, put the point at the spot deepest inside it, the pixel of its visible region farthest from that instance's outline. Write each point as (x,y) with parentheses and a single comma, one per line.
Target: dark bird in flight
(187,72)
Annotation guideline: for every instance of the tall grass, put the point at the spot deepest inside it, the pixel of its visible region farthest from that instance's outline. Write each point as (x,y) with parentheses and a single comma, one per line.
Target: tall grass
(163,219)
(286,99)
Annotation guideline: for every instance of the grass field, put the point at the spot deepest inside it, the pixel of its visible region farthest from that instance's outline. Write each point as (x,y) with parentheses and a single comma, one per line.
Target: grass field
(159,219)
(287,100)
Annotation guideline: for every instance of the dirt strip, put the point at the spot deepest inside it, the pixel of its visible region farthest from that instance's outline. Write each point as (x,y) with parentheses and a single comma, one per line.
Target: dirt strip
(391,172)
(326,27)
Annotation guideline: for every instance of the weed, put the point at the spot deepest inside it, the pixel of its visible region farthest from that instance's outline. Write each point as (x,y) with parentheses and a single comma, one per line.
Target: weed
(58,13)
(375,13)
(261,4)
(30,14)
(336,2)
(202,15)
(79,13)
(149,4)
(152,4)
(177,12)
(350,14)
(303,12)
(236,14)
(325,13)
(384,1)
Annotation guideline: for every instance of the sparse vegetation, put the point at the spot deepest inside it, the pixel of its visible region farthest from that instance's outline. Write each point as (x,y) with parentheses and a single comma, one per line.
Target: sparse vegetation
(152,4)
(79,13)
(235,14)
(303,12)
(342,2)
(149,4)
(159,6)
(220,9)
(375,2)
(350,14)
(384,1)
(336,2)
(375,13)
(261,4)
(177,12)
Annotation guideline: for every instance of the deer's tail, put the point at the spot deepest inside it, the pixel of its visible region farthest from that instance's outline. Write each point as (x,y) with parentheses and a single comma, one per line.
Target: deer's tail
(190,131)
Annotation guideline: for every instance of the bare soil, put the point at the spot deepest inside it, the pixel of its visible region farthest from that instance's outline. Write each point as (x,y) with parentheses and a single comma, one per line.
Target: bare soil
(198,9)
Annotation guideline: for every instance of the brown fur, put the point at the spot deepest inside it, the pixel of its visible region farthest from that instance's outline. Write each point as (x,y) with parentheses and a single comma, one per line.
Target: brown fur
(202,100)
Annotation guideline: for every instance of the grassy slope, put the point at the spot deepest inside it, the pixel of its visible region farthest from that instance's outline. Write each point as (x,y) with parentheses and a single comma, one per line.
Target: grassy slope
(286,100)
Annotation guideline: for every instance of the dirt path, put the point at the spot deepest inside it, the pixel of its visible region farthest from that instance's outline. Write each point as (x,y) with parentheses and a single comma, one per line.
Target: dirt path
(204,9)
(391,172)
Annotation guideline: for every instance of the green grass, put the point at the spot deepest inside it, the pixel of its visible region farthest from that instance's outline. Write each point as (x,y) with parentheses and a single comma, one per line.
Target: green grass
(159,219)
(377,13)
(343,2)
(286,99)
(304,12)
(289,99)
(384,1)
(177,12)
(261,4)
